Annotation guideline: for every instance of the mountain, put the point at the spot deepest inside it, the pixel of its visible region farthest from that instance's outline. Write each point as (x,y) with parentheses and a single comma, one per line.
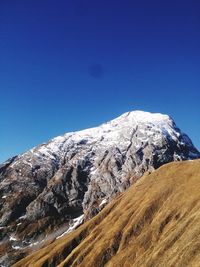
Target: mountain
(54,187)
(156,222)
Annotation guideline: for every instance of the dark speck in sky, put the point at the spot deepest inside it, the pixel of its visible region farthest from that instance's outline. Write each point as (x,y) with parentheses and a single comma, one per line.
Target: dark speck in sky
(96,71)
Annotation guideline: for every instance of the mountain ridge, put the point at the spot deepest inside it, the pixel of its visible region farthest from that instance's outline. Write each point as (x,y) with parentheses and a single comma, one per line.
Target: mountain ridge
(49,187)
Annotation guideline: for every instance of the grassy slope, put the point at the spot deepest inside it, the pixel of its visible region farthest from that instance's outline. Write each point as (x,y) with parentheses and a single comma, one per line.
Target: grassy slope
(156,222)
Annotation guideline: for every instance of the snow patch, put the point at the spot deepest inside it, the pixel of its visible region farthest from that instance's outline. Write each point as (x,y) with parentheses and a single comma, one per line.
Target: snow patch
(34,244)
(22,217)
(16,247)
(12,238)
(103,202)
(75,223)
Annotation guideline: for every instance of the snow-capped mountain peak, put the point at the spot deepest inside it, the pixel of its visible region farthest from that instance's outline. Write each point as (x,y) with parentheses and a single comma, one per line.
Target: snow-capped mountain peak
(116,132)
(71,175)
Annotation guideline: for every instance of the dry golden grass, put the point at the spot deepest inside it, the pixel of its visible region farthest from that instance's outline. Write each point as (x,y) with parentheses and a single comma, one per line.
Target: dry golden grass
(156,222)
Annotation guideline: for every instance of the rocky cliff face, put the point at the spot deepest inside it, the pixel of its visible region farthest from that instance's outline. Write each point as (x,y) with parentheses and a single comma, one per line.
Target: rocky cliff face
(78,173)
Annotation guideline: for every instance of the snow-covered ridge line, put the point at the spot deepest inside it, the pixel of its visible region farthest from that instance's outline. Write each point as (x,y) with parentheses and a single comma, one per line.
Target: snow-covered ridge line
(145,126)
(109,131)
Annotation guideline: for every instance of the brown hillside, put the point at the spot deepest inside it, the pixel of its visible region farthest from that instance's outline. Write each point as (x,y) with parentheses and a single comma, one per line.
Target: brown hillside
(156,222)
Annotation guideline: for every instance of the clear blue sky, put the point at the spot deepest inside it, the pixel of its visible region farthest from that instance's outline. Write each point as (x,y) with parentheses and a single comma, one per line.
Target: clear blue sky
(72,64)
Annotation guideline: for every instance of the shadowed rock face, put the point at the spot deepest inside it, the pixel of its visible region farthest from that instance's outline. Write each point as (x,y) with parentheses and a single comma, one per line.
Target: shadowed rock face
(50,185)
